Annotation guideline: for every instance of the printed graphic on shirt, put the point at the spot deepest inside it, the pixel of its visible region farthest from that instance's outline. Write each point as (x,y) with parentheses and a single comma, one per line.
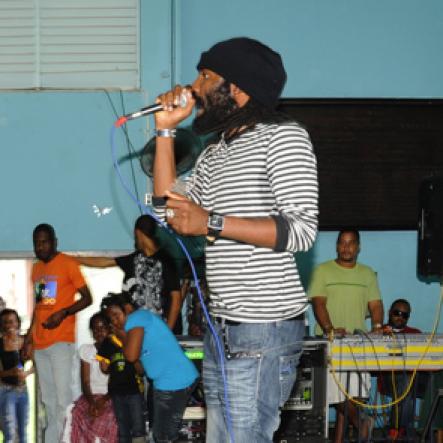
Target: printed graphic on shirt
(119,361)
(45,290)
(146,286)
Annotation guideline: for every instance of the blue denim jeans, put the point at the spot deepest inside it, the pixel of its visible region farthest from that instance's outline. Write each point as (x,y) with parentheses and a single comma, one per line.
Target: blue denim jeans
(260,375)
(129,413)
(14,412)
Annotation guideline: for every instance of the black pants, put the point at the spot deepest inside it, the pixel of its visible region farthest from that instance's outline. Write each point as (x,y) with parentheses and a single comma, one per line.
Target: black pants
(168,412)
(128,411)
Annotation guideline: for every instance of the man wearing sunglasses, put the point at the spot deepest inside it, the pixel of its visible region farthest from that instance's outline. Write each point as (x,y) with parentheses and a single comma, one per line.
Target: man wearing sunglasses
(393,385)
(399,314)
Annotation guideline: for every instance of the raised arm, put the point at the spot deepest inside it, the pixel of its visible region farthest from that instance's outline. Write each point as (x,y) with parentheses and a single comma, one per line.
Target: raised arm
(96,262)
(164,163)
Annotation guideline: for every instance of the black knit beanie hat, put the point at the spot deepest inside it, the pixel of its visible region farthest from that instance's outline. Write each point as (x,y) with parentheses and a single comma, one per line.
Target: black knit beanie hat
(252,66)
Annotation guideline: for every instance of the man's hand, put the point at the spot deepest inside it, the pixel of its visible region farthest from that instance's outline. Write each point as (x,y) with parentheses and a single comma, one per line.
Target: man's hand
(377,329)
(184,216)
(387,330)
(339,332)
(54,320)
(173,113)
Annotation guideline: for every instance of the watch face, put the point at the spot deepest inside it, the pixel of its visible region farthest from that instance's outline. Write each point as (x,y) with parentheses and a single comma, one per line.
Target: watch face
(216,221)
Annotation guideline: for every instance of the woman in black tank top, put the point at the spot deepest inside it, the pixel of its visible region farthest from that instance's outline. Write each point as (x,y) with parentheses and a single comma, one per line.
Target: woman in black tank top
(14,402)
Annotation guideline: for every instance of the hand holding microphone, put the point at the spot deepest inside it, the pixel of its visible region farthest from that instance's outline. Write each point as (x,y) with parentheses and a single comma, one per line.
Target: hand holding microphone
(175,105)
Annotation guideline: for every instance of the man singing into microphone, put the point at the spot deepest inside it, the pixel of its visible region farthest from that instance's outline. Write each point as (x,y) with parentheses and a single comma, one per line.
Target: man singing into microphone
(253,195)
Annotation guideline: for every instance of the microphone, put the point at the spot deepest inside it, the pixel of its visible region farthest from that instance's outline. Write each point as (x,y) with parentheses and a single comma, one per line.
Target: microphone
(152,109)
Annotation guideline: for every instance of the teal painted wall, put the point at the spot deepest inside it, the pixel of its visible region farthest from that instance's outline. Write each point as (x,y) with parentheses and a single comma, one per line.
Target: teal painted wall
(56,157)
(337,48)
(56,160)
(341,49)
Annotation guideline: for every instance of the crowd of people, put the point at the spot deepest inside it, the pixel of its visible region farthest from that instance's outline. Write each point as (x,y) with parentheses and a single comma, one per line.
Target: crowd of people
(133,340)
(254,195)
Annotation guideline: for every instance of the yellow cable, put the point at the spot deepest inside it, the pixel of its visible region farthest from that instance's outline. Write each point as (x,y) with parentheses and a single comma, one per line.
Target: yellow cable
(414,371)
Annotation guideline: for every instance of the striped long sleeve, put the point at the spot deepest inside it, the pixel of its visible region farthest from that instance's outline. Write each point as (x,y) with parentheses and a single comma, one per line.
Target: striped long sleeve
(268,171)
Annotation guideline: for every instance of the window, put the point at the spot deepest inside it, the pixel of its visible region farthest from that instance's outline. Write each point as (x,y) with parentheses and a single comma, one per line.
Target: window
(67,44)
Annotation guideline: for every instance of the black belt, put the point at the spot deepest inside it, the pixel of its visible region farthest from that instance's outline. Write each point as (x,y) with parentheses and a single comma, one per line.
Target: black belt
(221,320)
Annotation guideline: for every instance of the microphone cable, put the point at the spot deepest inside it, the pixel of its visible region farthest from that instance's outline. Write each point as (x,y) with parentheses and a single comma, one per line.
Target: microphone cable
(129,145)
(164,225)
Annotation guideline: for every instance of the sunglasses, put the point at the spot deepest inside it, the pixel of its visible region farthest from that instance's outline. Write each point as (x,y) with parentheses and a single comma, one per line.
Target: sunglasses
(399,313)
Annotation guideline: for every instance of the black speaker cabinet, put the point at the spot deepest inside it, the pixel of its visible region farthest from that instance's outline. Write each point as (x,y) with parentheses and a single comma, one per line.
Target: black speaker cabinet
(430,228)
(304,418)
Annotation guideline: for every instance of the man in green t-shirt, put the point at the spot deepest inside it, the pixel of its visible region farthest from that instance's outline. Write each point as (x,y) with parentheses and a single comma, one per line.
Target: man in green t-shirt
(342,293)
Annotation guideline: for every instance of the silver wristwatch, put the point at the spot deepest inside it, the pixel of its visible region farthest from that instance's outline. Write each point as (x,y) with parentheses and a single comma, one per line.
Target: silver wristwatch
(216,223)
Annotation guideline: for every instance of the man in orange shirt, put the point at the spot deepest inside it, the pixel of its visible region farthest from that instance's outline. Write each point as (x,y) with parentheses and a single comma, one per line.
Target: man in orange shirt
(56,278)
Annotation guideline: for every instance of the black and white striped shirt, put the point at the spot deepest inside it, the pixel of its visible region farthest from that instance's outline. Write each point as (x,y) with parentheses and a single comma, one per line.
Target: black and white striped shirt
(270,170)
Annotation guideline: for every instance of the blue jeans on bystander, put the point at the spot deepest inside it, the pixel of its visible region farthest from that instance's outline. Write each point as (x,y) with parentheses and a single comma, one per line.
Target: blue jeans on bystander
(14,413)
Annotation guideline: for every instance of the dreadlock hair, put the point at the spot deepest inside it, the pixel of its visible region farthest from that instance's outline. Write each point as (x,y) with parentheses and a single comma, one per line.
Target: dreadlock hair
(246,117)
(241,120)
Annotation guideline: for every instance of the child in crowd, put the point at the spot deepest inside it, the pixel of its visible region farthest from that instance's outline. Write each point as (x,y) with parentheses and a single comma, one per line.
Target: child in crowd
(125,384)
(91,419)
(14,403)
(147,337)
